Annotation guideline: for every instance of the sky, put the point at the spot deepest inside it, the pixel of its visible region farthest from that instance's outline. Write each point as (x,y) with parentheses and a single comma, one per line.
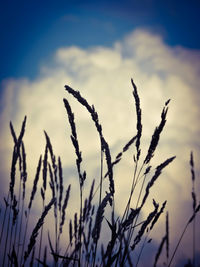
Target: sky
(97,47)
(31,31)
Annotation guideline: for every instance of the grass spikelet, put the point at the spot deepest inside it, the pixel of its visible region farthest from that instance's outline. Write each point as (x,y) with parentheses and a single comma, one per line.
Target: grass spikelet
(13,133)
(15,210)
(22,132)
(144,225)
(90,109)
(74,140)
(51,183)
(194,203)
(64,207)
(95,118)
(6,202)
(147,170)
(70,231)
(99,218)
(158,215)
(70,117)
(109,165)
(35,182)
(13,170)
(193,181)
(131,217)
(125,148)
(16,154)
(85,210)
(42,194)
(36,229)
(44,170)
(111,244)
(156,135)
(159,250)
(98,222)
(130,142)
(75,225)
(194,200)
(154,178)
(24,173)
(89,202)
(194,214)
(192,166)
(53,158)
(139,118)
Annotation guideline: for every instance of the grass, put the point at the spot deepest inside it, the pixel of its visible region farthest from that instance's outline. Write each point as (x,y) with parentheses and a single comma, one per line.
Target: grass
(25,245)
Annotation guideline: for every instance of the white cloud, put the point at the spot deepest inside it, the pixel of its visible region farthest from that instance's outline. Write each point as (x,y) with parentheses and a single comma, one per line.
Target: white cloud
(103,77)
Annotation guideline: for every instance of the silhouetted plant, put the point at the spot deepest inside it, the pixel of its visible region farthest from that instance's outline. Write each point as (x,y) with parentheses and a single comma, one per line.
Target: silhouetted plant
(85,228)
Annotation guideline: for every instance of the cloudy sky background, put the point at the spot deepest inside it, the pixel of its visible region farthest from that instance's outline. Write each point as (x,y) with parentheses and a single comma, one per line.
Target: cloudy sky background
(96,49)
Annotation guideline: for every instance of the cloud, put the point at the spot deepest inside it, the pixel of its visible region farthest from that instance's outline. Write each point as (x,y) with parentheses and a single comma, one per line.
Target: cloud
(102,75)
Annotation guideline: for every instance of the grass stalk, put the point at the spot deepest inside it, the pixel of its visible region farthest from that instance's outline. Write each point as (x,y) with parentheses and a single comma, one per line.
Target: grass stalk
(41,235)
(20,227)
(7,234)
(4,216)
(193,206)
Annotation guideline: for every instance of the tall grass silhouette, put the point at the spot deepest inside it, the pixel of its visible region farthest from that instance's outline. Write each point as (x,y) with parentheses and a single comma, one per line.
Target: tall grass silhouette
(25,245)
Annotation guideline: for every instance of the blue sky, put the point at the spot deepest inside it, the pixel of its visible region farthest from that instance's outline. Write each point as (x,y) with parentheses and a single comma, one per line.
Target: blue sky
(31,31)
